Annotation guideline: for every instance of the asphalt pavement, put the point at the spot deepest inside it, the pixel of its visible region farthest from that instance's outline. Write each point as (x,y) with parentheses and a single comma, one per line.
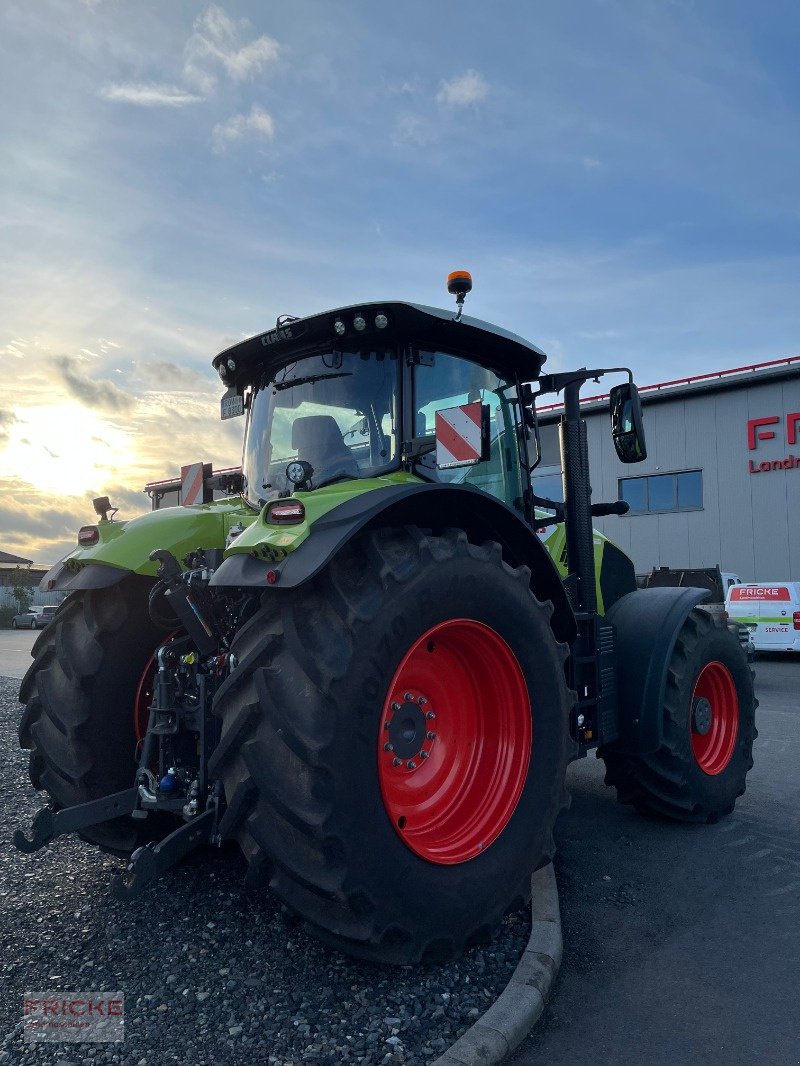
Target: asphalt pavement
(15,651)
(682,943)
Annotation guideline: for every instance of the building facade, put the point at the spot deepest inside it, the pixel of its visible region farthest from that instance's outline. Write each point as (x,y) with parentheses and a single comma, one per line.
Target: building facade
(720,485)
(721,482)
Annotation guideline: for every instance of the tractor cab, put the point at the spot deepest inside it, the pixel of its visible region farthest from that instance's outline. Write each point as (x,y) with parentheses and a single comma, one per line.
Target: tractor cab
(366,391)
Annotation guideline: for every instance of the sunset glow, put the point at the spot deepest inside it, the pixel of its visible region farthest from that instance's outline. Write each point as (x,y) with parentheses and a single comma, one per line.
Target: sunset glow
(176,176)
(64,450)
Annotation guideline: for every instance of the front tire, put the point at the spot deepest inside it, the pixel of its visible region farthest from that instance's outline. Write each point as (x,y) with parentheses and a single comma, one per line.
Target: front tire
(405,868)
(700,769)
(79,694)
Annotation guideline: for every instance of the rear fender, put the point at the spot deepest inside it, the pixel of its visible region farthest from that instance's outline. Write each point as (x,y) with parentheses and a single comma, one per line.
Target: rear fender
(646,626)
(62,578)
(420,504)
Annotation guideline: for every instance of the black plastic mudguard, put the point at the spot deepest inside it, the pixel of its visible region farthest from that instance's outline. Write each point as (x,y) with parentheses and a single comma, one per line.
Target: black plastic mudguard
(60,578)
(646,626)
(426,505)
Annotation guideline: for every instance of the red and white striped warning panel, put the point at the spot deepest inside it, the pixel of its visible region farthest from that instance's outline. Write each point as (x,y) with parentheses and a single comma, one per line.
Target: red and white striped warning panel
(459,435)
(191,484)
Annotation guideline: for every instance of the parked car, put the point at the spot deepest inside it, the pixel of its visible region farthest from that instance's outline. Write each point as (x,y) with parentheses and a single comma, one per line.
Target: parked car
(35,618)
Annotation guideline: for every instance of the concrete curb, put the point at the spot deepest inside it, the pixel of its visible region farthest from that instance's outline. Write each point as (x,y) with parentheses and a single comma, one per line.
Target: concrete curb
(518,1007)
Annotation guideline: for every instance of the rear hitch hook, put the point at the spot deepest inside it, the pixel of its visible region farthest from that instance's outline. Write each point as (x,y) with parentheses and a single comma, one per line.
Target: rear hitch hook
(42,832)
(149,862)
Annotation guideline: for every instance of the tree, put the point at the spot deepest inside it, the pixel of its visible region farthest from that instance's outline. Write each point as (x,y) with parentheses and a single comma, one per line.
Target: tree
(21,589)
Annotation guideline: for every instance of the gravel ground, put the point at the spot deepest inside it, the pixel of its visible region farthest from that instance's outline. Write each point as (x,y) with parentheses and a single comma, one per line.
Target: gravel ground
(210,974)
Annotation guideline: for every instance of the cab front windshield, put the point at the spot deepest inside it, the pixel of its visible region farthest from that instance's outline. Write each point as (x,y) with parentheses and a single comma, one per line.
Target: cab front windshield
(337,411)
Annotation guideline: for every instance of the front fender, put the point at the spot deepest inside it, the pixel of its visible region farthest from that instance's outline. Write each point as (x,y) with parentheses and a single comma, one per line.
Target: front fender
(124,547)
(421,504)
(646,626)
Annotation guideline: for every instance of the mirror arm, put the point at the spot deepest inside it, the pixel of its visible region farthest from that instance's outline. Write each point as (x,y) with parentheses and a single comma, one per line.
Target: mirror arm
(558,382)
(418,446)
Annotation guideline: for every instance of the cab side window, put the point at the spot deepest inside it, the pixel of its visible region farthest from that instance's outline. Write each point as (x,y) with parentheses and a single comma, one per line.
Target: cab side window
(442,381)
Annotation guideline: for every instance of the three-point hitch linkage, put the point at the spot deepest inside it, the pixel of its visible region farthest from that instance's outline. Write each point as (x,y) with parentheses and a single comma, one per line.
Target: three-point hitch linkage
(172,766)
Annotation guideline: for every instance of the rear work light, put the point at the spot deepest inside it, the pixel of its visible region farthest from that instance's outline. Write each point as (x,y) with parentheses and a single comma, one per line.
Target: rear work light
(796,619)
(289,513)
(88,535)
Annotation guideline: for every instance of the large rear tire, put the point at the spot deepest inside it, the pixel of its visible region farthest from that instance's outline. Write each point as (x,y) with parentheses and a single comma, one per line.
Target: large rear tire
(79,698)
(428,644)
(700,769)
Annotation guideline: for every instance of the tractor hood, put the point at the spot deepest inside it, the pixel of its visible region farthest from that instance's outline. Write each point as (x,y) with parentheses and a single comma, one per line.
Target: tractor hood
(126,546)
(388,323)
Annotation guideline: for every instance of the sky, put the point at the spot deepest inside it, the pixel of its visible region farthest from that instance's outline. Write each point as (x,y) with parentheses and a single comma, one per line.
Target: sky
(620,177)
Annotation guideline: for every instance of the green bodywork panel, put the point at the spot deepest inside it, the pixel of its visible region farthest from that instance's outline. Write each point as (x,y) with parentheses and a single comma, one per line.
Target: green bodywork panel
(180,530)
(127,545)
(555,540)
(274,542)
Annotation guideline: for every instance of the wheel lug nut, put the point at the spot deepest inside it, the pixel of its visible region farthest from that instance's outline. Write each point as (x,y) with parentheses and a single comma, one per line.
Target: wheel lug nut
(387,725)
(408,697)
(430,716)
(396,762)
(422,701)
(411,764)
(424,755)
(388,747)
(430,736)
(395,707)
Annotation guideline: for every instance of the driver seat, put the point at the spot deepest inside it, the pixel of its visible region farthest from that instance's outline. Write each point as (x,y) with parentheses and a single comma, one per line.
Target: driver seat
(318,440)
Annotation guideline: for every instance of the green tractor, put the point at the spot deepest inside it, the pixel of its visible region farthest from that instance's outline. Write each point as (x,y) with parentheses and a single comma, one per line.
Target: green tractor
(372,662)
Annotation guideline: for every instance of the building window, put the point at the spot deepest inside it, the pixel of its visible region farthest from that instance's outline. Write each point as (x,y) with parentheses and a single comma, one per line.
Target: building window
(661,493)
(547,482)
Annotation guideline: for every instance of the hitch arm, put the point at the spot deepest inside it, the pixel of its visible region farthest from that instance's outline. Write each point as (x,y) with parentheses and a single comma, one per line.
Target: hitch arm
(49,823)
(150,862)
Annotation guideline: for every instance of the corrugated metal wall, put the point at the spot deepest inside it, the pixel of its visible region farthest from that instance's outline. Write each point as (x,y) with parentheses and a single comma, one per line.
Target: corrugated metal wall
(750,523)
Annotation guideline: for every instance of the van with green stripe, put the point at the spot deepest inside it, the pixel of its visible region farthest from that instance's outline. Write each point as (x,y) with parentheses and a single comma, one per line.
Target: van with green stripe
(771,611)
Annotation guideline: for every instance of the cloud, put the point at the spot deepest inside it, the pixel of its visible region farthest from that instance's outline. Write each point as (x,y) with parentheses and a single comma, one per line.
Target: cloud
(33,527)
(101,394)
(165,375)
(463,90)
(7,420)
(412,129)
(148,94)
(257,124)
(216,43)
(591,162)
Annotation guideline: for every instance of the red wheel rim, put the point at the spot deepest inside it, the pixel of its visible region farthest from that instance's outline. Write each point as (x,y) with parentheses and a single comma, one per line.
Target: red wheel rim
(454,742)
(715,718)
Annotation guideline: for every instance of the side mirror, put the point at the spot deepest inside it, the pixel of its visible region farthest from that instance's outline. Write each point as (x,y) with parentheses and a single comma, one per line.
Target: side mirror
(627,428)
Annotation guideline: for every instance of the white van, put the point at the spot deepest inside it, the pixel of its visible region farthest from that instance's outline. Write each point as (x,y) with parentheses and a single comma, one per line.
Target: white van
(770,610)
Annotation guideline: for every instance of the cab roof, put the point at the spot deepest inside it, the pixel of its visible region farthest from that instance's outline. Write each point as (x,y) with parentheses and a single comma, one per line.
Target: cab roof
(430,328)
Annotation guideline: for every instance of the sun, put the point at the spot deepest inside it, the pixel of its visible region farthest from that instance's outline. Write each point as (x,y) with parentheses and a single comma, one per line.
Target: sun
(63,449)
